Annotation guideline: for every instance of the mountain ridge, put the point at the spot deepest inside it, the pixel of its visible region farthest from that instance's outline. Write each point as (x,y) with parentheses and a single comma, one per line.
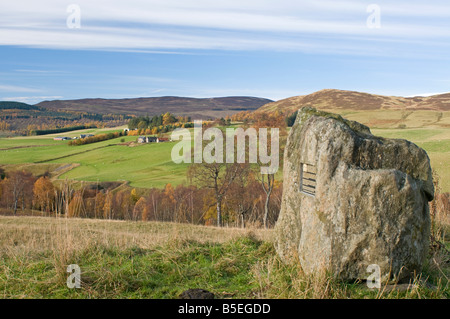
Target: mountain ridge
(185,106)
(332,99)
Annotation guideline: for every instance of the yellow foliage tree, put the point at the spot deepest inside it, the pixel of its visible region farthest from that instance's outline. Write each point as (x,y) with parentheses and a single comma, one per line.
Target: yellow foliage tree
(44,194)
(209,208)
(76,206)
(108,207)
(168,119)
(139,209)
(134,195)
(99,204)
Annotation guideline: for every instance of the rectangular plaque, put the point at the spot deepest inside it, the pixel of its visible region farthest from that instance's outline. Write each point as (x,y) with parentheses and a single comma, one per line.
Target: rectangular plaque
(308,179)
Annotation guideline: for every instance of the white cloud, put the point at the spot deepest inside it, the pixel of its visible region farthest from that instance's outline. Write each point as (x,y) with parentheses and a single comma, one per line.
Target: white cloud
(31,99)
(40,72)
(170,25)
(15,88)
(428,94)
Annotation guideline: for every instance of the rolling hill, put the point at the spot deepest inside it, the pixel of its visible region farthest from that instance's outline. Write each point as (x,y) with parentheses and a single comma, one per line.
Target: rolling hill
(331,99)
(199,108)
(11,105)
(421,120)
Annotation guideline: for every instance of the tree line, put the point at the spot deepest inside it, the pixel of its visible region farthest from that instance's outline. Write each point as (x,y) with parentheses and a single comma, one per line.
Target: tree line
(96,138)
(243,203)
(146,122)
(158,124)
(61,129)
(18,119)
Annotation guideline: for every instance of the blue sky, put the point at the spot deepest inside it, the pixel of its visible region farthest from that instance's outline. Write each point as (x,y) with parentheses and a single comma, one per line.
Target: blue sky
(206,48)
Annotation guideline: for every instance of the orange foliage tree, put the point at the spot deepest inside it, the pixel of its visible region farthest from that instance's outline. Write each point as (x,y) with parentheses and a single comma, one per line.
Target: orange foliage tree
(44,194)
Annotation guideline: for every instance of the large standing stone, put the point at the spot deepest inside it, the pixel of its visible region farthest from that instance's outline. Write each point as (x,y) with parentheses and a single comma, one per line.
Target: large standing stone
(351,199)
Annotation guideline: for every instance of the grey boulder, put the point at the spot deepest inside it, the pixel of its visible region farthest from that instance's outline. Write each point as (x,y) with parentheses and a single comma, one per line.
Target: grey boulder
(351,200)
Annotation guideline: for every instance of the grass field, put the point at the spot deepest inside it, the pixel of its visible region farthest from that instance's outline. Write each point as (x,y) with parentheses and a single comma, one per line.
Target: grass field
(120,259)
(150,165)
(435,141)
(392,119)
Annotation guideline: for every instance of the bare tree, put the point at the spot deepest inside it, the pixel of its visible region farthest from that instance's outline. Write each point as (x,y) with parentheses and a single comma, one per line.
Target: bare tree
(19,184)
(218,177)
(267,183)
(241,197)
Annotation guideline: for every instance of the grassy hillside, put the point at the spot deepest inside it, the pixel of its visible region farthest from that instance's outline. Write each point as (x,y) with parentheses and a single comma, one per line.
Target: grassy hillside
(358,101)
(121,259)
(398,119)
(424,121)
(435,141)
(147,165)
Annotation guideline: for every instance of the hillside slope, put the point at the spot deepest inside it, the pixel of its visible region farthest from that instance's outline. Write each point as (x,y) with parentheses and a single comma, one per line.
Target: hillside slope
(350,100)
(194,107)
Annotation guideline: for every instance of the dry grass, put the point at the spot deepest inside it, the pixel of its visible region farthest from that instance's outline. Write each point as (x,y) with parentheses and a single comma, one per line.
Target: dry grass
(122,259)
(24,234)
(278,280)
(36,251)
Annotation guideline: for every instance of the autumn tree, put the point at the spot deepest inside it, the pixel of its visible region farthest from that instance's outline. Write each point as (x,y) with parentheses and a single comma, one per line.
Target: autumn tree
(267,183)
(63,196)
(89,204)
(44,194)
(18,188)
(153,204)
(139,208)
(241,198)
(108,207)
(76,206)
(168,203)
(99,204)
(124,205)
(168,118)
(4,126)
(184,200)
(273,120)
(218,177)
(142,125)
(134,196)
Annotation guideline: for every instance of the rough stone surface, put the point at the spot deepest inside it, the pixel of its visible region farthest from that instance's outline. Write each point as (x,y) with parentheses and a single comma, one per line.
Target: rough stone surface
(370,204)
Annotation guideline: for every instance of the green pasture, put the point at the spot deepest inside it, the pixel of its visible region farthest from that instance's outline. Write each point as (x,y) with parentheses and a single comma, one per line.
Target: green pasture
(398,119)
(150,165)
(147,165)
(436,142)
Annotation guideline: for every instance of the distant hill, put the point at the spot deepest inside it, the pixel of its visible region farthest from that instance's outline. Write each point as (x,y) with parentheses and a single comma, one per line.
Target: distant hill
(350,100)
(11,105)
(198,108)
